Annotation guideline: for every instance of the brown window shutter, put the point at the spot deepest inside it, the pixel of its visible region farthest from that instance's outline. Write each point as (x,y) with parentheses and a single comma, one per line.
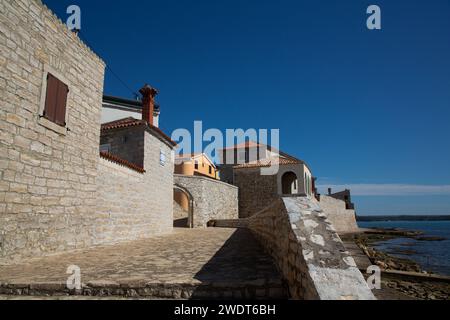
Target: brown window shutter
(51,98)
(56,100)
(60,116)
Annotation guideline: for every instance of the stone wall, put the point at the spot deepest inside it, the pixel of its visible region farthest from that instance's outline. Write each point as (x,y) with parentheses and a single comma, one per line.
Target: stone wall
(132,205)
(179,212)
(308,251)
(47,176)
(256,192)
(226,174)
(127,143)
(213,199)
(342,219)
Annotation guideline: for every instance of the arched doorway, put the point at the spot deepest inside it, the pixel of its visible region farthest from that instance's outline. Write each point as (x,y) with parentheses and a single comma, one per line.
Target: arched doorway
(183,208)
(289,183)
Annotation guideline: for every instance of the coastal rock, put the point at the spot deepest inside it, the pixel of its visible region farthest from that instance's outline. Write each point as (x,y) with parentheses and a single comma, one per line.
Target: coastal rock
(430,238)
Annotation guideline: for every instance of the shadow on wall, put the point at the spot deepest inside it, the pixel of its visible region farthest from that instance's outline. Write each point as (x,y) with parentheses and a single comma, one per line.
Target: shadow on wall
(181,223)
(240,270)
(183,209)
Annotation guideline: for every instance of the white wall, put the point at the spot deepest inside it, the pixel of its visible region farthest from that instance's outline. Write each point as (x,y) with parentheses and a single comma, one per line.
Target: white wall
(112,114)
(109,114)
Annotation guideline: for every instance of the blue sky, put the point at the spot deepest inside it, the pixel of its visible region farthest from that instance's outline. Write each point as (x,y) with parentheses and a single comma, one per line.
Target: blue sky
(363,108)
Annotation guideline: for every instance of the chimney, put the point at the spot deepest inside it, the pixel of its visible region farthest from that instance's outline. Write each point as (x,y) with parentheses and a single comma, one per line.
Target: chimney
(148,103)
(329,191)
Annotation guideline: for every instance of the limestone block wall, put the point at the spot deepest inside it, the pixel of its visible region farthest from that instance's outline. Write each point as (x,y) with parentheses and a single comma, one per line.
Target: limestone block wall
(178,211)
(256,191)
(130,205)
(308,251)
(47,177)
(127,143)
(342,219)
(213,199)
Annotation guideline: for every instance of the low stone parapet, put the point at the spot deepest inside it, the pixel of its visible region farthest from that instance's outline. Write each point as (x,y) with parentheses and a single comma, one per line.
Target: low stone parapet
(233,224)
(308,251)
(343,219)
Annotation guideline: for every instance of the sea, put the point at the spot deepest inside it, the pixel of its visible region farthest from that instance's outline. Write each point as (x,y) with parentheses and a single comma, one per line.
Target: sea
(432,256)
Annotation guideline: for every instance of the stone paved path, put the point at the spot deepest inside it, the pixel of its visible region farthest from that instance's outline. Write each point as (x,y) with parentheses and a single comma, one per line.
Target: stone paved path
(200,263)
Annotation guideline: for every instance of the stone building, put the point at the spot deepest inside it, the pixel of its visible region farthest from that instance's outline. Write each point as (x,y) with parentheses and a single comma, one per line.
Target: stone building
(138,204)
(244,165)
(51,87)
(57,192)
(264,174)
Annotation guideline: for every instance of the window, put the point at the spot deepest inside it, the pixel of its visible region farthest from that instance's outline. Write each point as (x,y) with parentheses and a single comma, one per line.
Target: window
(55,101)
(196,165)
(210,170)
(162,158)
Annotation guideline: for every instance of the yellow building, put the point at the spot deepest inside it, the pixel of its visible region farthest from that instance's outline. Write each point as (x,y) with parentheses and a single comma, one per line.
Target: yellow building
(197,164)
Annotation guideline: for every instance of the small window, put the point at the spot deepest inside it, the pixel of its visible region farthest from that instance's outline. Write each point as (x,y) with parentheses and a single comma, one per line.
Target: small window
(210,170)
(162,158)
(56,101)
(196,165)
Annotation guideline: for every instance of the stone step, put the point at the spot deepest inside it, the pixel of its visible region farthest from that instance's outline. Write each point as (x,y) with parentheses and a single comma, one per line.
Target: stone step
(254,290)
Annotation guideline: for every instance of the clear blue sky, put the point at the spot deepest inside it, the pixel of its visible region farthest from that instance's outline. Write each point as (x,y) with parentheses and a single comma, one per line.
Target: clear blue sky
(361,107)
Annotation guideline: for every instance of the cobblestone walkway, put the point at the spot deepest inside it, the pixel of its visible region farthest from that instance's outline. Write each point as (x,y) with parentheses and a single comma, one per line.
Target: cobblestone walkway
(201,263)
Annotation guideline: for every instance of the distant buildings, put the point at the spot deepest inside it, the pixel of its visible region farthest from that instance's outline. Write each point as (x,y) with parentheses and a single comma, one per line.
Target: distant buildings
(241,166)
(196,164)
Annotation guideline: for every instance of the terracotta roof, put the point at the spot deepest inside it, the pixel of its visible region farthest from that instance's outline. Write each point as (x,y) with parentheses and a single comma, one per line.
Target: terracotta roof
(125,163)
(252,144)
(265,163)
(123,123)
(248,144)
(132,122)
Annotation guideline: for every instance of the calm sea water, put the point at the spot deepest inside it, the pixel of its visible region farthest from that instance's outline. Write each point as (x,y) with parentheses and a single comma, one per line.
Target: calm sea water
(433,256)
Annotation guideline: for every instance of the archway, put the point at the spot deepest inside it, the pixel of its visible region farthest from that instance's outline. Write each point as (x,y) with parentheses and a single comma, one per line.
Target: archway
(289,183)
(183,208)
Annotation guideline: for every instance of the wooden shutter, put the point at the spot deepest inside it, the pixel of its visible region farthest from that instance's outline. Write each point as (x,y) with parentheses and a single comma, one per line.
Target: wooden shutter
(51,98)
(56,100)
(60,116)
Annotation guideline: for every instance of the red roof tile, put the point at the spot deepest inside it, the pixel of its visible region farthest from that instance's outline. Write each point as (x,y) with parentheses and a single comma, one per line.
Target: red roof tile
(125,163)
(269,162)
(122,123)
(248,144)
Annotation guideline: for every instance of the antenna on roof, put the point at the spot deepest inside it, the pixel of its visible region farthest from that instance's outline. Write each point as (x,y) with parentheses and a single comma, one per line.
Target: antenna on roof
(137,97)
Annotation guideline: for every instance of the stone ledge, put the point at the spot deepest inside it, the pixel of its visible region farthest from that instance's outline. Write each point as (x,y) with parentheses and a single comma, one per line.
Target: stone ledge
(269,289)
(205,179)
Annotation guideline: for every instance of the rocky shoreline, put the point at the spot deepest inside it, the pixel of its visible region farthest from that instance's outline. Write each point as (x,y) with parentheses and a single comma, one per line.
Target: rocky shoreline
(406,289)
